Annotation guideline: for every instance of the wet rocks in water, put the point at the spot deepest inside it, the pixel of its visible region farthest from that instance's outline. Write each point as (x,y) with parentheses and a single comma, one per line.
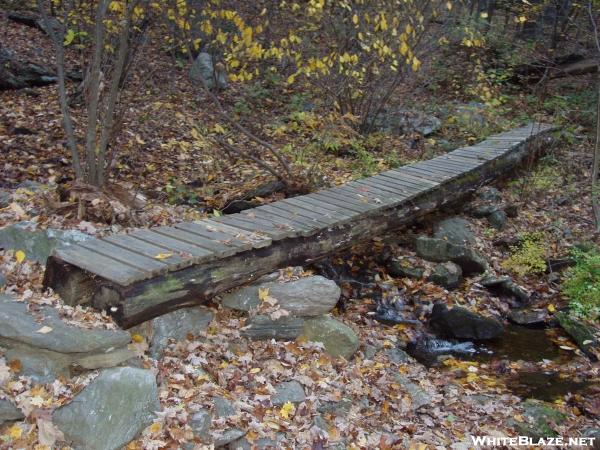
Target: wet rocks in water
(541,420)
(391,312)
(504,286)
(337,338)
(263,327)
(427,349)
(455,230)
(288,391)
(305,297)
(111,411)
(403,269)
(177,325)
(528,316)
(9,412)
(440,250)
(59,347)
(447,275)
(581,333)
(460,323)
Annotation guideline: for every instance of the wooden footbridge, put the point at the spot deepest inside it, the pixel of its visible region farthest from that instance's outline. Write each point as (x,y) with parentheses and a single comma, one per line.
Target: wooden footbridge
(149,272)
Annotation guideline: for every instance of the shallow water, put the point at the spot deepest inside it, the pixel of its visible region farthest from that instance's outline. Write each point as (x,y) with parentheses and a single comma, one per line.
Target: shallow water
(546,386)
(526,344)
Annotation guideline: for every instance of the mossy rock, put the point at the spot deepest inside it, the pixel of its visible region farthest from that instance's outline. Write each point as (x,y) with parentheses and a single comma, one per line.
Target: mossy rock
(540,420)
(581,333)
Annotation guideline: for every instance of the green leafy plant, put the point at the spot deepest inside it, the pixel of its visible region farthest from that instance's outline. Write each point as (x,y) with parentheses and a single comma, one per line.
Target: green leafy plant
(528,257)
(178,193)
(582,283)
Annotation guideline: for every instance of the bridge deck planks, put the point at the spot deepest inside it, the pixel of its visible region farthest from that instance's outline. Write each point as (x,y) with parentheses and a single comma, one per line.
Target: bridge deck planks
(125,262)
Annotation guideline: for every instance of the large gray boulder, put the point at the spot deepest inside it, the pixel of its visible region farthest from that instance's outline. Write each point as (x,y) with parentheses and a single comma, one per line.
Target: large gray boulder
(48,347)
(455,230)
(460,323)
(305,297)
(204,69)
(111,411)
(440,250)
(176,325)
(337,338)
(37,244)
(285,328)
(403,268)
(447,275)
(400,121)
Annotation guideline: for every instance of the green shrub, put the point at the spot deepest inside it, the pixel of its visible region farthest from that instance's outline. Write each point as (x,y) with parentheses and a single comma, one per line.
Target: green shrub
(529,256)
(582,283)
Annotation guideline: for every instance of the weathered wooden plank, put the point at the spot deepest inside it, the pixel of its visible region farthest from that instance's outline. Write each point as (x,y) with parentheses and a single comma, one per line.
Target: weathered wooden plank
(174,260)
(423,173)
(384,187)
(219,249)
(196,253)
(294,207)
(479,155)
(424,182)
(257,240)
(501,145)
(284,228)
(400,179)
(339,215)
(370,207)
(340,200)
(217,236)
(374,195)
(470,163)
(410,189)
(422,166)
(255,225)
(457,167)
(142,262)
(385,196)
(103,266)
(435,167)
(303,226)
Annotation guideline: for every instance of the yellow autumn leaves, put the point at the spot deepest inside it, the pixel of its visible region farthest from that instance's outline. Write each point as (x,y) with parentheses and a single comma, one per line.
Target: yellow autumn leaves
(386,34)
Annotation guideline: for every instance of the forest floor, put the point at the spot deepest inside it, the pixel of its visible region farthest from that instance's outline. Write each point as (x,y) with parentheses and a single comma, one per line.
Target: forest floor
(165,152)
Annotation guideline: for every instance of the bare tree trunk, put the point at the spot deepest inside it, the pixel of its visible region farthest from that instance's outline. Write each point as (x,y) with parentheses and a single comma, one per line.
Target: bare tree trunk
(93,96)
(115,84)
(57,41)
(596,164)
